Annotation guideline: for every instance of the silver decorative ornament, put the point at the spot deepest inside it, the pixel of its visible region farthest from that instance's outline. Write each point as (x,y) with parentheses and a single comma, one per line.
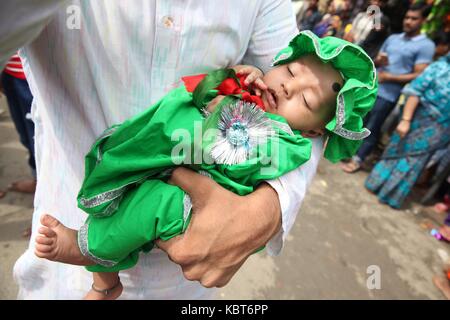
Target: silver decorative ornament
(242,126)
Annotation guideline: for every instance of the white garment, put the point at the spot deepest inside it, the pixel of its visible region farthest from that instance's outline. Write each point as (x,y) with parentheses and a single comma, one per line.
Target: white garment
(361,27)
(125,57)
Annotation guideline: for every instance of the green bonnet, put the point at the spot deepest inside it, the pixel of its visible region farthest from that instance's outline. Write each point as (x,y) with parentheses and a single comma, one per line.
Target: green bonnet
(356,97)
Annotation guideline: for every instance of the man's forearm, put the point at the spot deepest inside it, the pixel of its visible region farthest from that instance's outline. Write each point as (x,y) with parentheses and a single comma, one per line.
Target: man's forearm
(21,22)
(264,202)
(402,78)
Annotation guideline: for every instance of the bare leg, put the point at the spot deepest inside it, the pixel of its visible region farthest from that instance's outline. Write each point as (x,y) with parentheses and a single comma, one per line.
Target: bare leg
(56,242)
(107,286)
(445,231)
(443,284)
(25,186)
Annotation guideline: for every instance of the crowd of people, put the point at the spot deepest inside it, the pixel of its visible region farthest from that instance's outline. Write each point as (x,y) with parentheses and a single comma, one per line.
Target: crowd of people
(413,96)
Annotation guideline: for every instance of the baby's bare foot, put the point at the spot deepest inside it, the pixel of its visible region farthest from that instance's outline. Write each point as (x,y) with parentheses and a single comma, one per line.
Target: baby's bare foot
(56,242)
(110,294)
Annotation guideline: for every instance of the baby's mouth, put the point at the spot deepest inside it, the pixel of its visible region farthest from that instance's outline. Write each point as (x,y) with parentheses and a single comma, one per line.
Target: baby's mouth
(272,98)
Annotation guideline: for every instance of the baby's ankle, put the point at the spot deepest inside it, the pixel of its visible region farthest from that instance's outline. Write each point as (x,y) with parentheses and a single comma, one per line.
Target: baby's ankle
(98,292)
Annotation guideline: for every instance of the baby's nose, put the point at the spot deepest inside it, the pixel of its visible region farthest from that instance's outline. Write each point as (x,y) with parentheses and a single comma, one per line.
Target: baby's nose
(289,89)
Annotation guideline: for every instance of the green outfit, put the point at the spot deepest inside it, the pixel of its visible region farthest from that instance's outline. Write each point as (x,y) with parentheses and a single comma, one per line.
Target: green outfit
(124,190)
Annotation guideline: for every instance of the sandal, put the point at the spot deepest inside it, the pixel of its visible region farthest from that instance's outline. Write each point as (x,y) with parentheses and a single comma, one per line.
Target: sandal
(351,166)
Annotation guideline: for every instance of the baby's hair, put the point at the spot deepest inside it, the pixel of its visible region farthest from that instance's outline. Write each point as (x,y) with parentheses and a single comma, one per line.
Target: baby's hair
(336,87)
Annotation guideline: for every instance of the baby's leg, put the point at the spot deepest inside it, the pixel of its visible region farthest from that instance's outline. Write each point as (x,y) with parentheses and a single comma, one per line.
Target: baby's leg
(106,286)
(153,210)
(150,211)
(56,242)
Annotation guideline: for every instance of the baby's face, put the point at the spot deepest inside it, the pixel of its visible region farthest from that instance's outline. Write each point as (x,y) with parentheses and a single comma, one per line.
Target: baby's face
(302,92)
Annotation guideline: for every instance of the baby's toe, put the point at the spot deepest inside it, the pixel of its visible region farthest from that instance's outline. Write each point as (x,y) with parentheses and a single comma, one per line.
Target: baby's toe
(43,248)
(44,240)
(47,232)
(48,221)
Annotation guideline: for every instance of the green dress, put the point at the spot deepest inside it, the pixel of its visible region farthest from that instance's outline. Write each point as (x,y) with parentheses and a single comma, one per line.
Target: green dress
(125,191)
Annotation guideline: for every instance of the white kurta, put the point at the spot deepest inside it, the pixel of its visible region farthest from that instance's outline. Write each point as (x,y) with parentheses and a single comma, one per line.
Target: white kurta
(125,56)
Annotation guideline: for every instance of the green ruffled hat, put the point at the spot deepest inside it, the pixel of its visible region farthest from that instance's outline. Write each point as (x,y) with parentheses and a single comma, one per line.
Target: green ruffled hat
(355,99)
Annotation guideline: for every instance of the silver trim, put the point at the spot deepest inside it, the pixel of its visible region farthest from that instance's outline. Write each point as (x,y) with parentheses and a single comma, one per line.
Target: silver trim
(102,198)
(187,207)
(83,245)
(108,132)
(340,119)
(283,126)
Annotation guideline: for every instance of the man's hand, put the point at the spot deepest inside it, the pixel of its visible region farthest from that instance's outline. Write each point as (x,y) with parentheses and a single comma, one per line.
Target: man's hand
(381,60)
(383,77)
(225,229)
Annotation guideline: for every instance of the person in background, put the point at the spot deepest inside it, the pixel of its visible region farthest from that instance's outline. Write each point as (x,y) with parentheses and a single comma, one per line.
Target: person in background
(334,27)
(423,130)
(311,16)
(376,37)
(19,97)
(365,22)
(401,59)
(442,41)
(395,10)
(442,281)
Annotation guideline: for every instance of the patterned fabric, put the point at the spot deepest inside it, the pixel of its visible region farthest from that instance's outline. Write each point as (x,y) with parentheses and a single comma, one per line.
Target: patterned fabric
(433,89)
(401,164)
(14,67)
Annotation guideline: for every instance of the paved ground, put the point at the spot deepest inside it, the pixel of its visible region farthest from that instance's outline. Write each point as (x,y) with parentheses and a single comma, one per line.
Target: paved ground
(341,231)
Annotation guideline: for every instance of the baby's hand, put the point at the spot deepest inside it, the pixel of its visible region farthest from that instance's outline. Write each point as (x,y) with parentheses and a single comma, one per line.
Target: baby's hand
(253,79)
(213,103)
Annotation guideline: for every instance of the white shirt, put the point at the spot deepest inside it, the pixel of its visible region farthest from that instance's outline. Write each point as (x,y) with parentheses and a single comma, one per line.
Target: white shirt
(126,56)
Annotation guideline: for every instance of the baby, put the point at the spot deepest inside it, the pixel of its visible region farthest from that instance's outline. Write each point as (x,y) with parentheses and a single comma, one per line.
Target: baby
(317,87)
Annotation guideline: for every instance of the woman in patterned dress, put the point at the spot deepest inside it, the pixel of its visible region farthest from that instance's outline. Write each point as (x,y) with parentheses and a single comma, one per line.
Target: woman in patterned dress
(423,130)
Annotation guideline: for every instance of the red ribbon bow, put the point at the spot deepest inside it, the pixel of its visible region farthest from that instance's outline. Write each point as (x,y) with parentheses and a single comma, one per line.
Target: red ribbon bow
(228,87)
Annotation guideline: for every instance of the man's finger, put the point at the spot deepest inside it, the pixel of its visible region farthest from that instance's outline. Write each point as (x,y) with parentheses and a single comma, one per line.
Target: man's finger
(188,180)
(168,245)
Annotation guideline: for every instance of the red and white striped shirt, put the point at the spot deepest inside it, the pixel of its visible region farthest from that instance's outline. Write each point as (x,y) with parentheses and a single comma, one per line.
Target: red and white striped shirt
(14,67)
